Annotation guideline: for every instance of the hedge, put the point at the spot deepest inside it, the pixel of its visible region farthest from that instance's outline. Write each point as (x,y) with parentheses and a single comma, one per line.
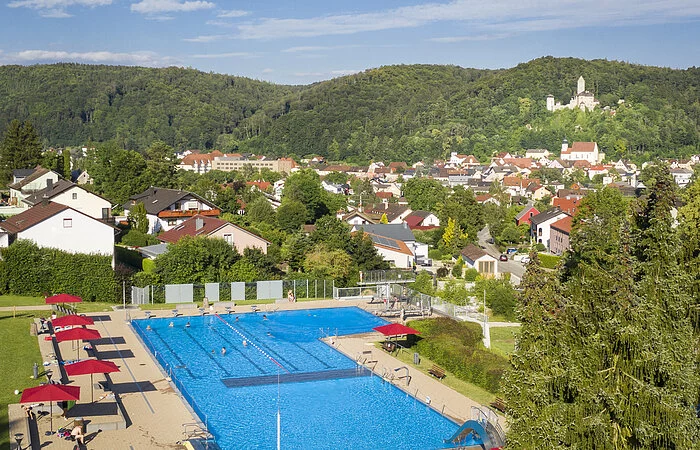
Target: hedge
(30,270)
(457,347)
(548,261)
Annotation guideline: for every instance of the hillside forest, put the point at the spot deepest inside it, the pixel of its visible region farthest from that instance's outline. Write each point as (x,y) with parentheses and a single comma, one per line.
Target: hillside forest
(400,113)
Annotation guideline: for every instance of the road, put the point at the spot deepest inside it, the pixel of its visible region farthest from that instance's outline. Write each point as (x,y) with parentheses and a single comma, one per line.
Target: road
(514,267)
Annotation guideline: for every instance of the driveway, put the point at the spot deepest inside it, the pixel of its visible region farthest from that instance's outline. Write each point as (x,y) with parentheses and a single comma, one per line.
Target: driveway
(514,267)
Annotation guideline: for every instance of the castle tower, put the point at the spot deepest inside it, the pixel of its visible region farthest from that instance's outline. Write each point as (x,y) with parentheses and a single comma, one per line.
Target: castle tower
(581,85)
(564,145)
(550,102)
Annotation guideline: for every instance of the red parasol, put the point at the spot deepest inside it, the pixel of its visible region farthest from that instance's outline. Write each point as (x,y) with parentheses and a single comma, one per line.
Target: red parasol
(76,334)
(395,329)
(72,319)
(90,366)
(63,298)
(50,393)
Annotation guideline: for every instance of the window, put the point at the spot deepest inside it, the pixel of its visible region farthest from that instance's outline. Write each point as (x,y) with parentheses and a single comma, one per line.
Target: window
(539,231)
(228,238)
(74,196)
(67,223)
(105,213)
(172,222)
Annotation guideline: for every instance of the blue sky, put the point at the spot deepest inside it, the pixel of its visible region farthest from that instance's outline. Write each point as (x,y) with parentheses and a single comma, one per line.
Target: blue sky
(303,42)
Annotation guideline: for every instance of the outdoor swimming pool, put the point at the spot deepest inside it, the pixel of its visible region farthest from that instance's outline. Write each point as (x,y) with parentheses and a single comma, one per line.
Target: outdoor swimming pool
(325,400)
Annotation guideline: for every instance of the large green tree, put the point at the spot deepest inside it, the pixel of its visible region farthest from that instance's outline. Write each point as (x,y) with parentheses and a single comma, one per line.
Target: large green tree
(424,193)
(613,364)
(304,186)
(19,149)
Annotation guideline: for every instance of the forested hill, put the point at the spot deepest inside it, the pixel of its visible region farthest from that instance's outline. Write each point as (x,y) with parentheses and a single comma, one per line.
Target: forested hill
(401,113)
(70,104)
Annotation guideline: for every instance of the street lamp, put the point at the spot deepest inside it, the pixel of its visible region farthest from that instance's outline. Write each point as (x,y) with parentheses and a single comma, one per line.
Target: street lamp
(18,439)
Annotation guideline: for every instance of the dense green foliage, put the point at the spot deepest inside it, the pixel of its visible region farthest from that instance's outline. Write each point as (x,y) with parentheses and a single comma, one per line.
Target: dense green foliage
(19,148)
(457,347)
(401,113)
(606,357)
(71,104)
(30,270)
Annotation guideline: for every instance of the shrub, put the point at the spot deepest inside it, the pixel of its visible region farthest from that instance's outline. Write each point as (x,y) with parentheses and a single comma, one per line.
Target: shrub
(549,261)
(435,254)
(33,271)
(457,269)
(471,274)
(540,247)
(135,238)
(457,347)
(442,272)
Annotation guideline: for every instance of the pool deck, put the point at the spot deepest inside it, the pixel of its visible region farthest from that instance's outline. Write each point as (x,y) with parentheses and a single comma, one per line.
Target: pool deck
(146,412)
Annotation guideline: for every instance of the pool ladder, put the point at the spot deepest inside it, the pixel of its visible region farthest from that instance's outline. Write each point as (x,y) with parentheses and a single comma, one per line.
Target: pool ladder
(195,430)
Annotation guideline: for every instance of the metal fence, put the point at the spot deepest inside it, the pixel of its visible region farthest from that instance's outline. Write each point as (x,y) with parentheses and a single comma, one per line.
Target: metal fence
(387,276)
(256,290)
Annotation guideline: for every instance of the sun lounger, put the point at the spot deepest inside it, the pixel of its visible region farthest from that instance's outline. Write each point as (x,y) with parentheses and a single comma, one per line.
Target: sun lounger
(437,372)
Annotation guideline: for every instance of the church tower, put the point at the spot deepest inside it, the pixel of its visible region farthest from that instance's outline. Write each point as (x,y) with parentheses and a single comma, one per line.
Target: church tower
(581,85)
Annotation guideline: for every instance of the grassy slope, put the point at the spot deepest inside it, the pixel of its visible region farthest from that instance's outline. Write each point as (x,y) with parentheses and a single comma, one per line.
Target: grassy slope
(503,340)
(18,352)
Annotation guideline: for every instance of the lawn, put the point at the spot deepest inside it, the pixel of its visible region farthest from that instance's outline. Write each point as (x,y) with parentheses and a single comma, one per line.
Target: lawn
(503,340)
(18,352)
(20,300)
(469,390)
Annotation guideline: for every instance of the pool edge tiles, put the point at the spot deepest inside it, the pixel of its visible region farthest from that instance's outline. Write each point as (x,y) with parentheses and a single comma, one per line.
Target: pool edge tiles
(325,409)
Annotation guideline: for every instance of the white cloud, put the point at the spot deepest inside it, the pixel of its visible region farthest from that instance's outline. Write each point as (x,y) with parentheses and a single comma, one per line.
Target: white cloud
(267,70)
(207,38)
(482,18)
(232,13)
(343,72)
(56,9)
(477,37)
(162,6)
(225,55)
(308,48)
(144,58)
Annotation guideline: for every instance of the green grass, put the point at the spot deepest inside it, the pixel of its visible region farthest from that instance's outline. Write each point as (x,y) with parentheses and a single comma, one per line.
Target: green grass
(18,352)
(20,300)
(503,340)
(467,389)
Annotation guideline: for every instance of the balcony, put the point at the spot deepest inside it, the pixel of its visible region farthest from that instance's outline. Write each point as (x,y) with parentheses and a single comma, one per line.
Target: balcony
(180,213)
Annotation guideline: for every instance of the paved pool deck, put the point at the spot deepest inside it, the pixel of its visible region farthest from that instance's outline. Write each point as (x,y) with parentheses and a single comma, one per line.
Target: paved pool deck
(155,413)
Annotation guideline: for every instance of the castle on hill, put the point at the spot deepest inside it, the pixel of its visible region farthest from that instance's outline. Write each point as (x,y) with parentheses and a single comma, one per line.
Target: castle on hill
(583,99)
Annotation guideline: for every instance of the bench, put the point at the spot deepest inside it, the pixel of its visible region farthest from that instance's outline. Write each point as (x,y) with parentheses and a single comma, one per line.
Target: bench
(389,346)
(499,404)
(437,372)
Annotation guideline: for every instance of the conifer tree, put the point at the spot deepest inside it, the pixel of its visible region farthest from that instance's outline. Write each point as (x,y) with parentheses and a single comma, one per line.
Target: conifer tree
(616,368)
(19,149)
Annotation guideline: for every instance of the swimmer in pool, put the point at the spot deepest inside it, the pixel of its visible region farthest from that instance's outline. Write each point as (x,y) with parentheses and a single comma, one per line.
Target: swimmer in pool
(223,351)
(245,343)
(171,324)
(187,325)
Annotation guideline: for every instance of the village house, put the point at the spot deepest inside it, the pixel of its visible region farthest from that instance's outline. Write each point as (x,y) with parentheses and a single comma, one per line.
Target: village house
(199,225)
(559,236)
(476,258)
(168,208)
(53,225)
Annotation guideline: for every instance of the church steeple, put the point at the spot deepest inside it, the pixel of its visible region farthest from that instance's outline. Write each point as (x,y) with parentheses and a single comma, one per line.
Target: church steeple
(581,85)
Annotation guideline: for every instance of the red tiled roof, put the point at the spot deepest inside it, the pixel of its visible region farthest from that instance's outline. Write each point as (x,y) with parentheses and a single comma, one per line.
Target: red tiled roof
(196,158)
(189,228)
(563,225)
(384,194)
(31,217)
(583,147)
(582,164)
(413,221)
(568,205)
(262,185)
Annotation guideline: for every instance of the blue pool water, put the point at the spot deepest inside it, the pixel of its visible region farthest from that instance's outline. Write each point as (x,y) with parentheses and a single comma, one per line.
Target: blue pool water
(355,411)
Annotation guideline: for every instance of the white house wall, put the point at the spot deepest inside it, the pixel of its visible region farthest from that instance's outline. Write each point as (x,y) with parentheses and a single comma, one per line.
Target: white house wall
(400,260)
(84,235)
(85,202)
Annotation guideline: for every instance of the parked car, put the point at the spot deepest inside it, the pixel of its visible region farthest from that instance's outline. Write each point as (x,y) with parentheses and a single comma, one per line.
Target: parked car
(490,240)
(525,260)
(503,258)
(510,250)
